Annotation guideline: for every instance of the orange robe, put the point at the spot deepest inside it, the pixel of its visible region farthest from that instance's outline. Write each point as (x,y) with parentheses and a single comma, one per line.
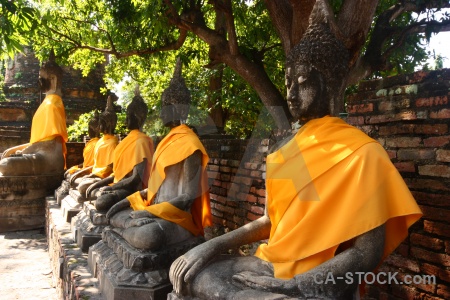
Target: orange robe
(88,155)
(131,151)
(104,155)
(49,121)
(330,184)
(179,144)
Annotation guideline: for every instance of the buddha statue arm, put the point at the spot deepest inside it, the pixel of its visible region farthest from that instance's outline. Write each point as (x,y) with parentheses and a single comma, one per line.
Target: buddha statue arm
(189,264)
(13,150)
(104,183)
(79,174)
(363,256)
(132,181)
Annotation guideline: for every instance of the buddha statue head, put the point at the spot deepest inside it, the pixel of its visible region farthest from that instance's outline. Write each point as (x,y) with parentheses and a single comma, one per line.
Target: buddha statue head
(94,126)
(108,118)
(175,100)
(136,111)
(50,76)
(316,69)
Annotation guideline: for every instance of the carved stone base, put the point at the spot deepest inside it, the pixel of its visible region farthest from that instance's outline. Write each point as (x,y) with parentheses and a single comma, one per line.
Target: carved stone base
(62,191)
(75,194)
(87,226)
(22,201)
(125,272)
(70,207)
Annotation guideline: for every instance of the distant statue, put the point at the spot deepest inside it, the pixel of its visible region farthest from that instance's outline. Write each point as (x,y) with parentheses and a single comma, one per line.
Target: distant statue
(131,163)
(103,153)
(175,207)
(335,204)
(89,148)
(46,151)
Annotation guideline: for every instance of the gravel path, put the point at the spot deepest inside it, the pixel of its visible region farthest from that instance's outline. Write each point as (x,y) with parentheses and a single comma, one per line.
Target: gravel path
(25,271)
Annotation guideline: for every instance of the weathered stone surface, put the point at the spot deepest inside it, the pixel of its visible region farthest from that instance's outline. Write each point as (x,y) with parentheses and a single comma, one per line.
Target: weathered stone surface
(22,201)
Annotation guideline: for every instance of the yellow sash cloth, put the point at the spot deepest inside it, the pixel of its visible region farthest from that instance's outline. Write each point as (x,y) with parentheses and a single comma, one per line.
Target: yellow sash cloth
(88,155)
(104,155)
(131,151)
(179,144)
(330,184)
(49,121)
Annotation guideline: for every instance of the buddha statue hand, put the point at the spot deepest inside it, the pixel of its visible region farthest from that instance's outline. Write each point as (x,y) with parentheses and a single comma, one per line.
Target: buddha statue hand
(119,206)
(267,283)
(185,268)
(137,214)
(105,190)
(138,222)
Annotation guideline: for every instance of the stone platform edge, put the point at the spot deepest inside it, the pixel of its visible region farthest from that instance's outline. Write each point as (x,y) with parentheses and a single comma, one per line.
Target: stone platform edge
(70,272)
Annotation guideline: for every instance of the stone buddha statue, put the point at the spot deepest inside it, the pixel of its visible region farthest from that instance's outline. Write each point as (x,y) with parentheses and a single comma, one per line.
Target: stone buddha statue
(131,163)
(175,206)
(103,151)
(167,218)
(45,153)
(335,204)
(89,148)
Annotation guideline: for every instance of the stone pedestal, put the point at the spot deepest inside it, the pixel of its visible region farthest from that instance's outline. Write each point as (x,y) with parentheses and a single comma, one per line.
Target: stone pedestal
(87,226)
(22,200)
(72,204)
(62,191)
(125,272)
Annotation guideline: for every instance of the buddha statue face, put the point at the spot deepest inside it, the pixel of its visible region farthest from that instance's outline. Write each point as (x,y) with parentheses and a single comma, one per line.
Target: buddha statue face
(306,94)
(315,74)
(50,76)
(136,113)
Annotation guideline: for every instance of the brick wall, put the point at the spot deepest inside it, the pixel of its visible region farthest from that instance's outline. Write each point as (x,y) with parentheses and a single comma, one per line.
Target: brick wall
(409,115)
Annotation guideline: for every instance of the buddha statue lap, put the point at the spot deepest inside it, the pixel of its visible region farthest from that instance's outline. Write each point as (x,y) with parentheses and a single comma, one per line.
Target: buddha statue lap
(322,220)
(167,218)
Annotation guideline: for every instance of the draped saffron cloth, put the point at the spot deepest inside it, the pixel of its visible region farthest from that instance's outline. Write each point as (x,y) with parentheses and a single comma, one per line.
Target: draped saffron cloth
(104,155)
(330,184)
(88,155)
(131,151)
(179,144)
(49,121)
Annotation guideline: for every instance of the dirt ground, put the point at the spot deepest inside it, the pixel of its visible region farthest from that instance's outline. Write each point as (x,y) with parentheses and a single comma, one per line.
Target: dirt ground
(25,271)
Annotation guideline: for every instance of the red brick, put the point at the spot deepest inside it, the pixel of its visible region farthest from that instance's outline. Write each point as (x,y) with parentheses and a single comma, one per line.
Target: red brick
(212,175)
(251,198)
(213,168)
(225,169)
(436,228)
(437,141)
(403,142)
(426,242)
(443,291)
(443,155)
(405,167)
(435,170)
(435,214)
(261,192)
(440,114)
(402,262)
(432,199)
(447,246)
(256,174)
(432,101)
(359,120)
(429,256)
(391,153)
(407,115)
(428,184)
(439,272)
(415,154)
(252,216)
(377,119)
(404,291)
(262,200)
(257,210)
(360,108)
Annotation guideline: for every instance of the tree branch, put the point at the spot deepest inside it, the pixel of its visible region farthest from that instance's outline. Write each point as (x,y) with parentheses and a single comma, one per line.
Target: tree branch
(280,12)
